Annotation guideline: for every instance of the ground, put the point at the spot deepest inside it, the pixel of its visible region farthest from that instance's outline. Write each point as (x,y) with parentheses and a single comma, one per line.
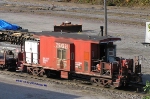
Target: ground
(11,88)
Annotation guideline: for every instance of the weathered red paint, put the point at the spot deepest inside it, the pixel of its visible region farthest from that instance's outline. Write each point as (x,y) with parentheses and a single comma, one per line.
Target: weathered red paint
(64,74)
(46,51)
(95,58)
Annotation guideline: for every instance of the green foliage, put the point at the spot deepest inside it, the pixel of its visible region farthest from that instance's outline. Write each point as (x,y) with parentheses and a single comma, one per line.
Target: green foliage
(111,3)
(147,90)
(127,3)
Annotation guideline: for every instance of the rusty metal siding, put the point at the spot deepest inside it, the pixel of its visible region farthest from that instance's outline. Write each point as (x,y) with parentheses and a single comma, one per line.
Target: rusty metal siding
(82,56)
(45,51)
(63,54)
(78,56)
(56,54)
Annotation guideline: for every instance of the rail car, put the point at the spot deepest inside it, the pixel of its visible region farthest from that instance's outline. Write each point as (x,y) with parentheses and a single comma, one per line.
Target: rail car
(65,55)
(8,60)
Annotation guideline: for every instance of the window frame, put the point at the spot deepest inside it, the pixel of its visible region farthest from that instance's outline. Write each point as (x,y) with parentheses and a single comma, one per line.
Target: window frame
(111,52)
(61,53)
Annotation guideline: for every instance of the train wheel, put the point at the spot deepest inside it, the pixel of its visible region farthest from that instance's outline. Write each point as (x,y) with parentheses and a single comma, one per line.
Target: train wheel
(105,83)
(35,71)
(112,87)
(107,86)
(94,82)
(41,74)
(29,70)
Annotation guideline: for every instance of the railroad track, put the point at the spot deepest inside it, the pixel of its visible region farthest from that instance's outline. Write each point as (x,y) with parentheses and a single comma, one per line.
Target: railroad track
(80,85)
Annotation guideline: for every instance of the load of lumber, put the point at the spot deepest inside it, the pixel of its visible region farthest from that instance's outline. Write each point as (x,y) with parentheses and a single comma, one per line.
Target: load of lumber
(16,37)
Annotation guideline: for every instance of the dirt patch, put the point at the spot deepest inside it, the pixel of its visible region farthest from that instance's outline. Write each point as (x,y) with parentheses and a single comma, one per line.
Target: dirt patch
(120,15)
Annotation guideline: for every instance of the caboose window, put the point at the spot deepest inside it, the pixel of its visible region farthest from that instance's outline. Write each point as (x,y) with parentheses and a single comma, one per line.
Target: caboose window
(111,49)
(58,53)
(63,54)
(111,52)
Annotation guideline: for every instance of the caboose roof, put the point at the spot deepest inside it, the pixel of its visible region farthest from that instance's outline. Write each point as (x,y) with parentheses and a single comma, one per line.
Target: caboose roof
(80,36)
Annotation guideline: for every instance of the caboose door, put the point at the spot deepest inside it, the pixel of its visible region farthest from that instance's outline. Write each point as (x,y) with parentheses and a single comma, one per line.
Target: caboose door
(63,53)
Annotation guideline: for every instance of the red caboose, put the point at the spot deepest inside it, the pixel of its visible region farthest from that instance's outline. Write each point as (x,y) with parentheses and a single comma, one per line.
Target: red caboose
(65,55)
